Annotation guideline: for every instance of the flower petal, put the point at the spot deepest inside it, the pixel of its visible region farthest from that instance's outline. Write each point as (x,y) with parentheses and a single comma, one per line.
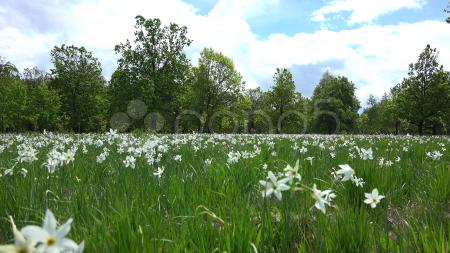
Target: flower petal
(63,230)
(8,249)
(35,233)
(80,248)
(278,195)
(68,244)
(50,222)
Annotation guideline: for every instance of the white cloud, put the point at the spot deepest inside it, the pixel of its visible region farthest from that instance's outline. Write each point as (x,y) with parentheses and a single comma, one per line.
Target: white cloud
(364,10)
(374,57)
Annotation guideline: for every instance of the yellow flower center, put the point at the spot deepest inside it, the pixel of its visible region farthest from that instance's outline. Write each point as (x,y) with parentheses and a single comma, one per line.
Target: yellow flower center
(22,251)
(51,241)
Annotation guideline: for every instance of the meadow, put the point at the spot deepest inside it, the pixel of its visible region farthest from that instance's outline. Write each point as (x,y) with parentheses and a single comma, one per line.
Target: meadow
(230,193)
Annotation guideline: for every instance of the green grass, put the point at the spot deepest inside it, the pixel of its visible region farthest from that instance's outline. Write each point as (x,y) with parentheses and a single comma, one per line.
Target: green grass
(219,208)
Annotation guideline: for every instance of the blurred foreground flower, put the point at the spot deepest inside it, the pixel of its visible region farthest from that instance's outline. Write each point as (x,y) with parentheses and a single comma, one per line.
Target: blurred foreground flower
(46,239)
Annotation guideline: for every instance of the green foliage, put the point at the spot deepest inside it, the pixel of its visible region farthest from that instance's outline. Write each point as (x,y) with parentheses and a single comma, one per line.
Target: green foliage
(153,69)
(77,77)
(217,88)
(194,207)
(45,109)
(335,105)
(424,96)
(13,104)
(281,100)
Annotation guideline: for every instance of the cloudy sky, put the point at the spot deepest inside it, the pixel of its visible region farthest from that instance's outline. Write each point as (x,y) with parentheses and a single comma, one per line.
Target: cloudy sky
(370,41)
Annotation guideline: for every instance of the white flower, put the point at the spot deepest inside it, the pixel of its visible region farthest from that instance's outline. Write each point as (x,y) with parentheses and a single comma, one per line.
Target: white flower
(9,172)
(20,243)
(159,172)
(310,159)
(359,182)
(274,186)
(435,155)
(24,172)
(381,161)
(26,154)
(292,172)
(373,198)
(366,154)
(208,162)
(346,172)
(129,162)
(101,158)
(303,150)
(50,238)
(177,158)
(322,198)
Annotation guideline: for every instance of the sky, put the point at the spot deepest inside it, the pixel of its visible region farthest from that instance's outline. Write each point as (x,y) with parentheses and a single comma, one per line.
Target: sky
(371,42)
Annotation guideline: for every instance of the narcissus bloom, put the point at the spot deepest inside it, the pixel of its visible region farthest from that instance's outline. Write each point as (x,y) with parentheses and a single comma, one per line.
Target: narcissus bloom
(346,172)
(322,198)
(274,186)
(373,198)
(50,238)
(21,245)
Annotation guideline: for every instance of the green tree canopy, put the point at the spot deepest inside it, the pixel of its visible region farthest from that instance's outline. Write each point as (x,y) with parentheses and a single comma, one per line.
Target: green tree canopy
(153,69)
(424,96)
(282,97)
(77,76)
(335,104)
(218,85)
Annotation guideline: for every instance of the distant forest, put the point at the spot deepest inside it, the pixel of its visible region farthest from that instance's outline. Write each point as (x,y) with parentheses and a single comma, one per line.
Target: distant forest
(156,88)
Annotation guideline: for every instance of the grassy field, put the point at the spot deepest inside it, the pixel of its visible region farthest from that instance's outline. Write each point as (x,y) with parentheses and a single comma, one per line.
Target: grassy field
(200,193)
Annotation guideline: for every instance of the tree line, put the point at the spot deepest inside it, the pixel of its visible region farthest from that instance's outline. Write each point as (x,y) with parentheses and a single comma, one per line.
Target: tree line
(156,88)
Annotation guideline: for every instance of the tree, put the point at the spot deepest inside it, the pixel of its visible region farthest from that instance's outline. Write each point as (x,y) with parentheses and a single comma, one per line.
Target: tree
(13,104)
(372,113)
(44,109)
(35,77)
(153,69)
(8,70)
(217,85)
(424,96)
(13,98)
(282,96)
(77,77)
(256,99)
(335,104)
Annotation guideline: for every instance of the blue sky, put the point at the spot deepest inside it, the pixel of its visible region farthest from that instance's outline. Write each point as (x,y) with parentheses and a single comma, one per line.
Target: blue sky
(293,16)
(369,41)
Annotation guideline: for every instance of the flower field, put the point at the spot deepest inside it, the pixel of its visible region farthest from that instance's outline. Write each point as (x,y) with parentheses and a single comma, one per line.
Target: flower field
(224,193)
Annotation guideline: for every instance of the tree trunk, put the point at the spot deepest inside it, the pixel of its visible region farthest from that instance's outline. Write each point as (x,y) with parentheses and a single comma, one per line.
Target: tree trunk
(434,129)
(397,126)
(420,128)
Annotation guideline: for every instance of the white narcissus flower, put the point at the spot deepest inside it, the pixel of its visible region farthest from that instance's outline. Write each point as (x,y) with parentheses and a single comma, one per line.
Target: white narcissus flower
(346,172)
(21,245)
(50,238)
(159,172)
(322,198)
(373,198)
(274,186)
(292,172)
(310,159)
